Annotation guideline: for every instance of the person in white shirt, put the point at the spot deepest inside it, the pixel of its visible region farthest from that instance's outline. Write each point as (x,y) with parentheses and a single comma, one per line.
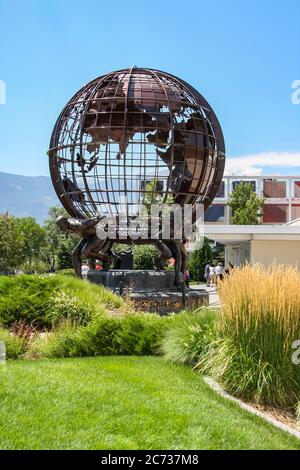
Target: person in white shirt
(211,275)
(219,271)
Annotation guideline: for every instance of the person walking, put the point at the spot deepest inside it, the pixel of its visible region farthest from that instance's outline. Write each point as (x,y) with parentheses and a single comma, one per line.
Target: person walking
(228,268)
(207,271)
(212,276)
(219,271)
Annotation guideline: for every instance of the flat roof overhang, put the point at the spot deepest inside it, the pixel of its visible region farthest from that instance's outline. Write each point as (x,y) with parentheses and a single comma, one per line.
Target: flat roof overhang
(235,234)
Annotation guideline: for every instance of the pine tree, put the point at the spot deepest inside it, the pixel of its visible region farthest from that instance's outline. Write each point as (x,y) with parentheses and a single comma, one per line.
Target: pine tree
(199,260)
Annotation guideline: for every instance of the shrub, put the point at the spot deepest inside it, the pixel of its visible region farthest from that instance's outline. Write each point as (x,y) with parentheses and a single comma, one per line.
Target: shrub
(23,330)
(15,346)
(66,272)
(131,334)
(68,340)
(141,333)
(26,298)
(42,300)
(259,322)
(189,335)
(144,256)
(97,338)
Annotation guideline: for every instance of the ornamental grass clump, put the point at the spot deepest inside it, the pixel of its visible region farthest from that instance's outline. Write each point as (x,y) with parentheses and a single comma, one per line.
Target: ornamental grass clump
(65,306)
(15,346)
(90,293)
(189,335)
(259,322)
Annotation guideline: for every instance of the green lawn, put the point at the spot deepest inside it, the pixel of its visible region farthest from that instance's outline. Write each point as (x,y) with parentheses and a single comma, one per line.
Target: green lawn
(122,403)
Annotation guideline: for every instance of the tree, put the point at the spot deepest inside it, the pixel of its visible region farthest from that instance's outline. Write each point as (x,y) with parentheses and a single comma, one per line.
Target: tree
(246,205)
(198,261)
(153,196)
(64,253)
(58,246)
(34,238)
(11,243)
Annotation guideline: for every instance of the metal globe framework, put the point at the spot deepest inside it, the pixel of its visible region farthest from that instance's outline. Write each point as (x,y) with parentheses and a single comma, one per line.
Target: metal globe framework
(132,135)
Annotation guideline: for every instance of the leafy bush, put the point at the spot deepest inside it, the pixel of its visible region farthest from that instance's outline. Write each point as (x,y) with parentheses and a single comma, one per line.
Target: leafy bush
(132,334)
(66,272)
(66,341)
(42,300)
(141,333)
(144,256)
(259,322)
(26,298)
(189,335)
(15,346)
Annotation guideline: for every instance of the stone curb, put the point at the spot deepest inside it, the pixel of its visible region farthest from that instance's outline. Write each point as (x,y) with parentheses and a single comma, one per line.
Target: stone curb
(278,424)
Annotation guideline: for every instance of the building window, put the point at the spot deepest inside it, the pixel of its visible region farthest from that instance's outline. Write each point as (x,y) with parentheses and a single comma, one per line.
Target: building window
(297,189)
(221,190)
(237,182)
(276,214)
(296,211)
(274,189)
(215,213)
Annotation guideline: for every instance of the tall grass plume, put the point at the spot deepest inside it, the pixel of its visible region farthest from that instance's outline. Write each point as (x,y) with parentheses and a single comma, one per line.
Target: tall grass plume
(259,321)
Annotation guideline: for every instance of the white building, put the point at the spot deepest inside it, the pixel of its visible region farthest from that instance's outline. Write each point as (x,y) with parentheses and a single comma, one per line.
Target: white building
(276,240)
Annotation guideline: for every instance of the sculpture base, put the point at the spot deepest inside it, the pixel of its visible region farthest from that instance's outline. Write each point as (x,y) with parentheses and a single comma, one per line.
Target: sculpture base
(149,290)
(166,301)
(132,279)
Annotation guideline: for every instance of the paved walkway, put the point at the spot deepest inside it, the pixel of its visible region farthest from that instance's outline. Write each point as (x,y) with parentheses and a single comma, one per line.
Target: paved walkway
(214,300)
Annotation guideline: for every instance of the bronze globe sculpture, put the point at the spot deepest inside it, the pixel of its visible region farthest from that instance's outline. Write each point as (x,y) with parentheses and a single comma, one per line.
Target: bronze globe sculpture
(128,128)
(126,136)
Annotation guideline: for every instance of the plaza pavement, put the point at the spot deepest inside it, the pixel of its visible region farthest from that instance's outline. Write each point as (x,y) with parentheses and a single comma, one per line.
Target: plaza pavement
(214,300)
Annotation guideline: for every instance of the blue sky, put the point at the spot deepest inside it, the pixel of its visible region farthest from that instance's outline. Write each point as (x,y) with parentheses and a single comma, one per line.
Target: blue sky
(242,55)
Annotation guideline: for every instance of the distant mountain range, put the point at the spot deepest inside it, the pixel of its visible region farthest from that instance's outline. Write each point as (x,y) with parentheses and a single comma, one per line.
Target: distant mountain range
(24,196)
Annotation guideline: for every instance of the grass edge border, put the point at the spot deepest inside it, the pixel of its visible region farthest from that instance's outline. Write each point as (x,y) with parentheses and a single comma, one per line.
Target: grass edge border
(278,424)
